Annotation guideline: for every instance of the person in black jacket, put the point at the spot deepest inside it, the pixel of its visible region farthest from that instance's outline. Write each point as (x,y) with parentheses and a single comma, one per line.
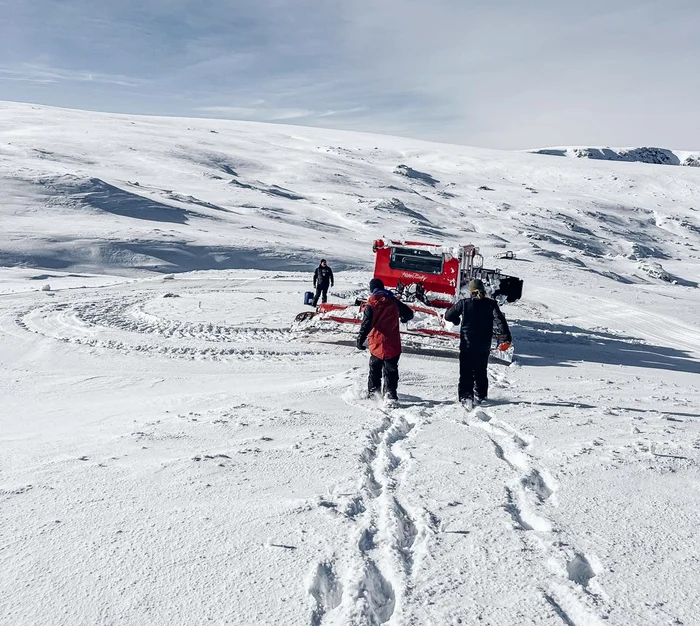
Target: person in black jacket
(323,278)
(480,318)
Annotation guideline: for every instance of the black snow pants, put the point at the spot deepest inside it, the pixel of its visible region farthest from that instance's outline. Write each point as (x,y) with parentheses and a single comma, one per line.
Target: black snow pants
(390,369)
(472,373)
(320,289)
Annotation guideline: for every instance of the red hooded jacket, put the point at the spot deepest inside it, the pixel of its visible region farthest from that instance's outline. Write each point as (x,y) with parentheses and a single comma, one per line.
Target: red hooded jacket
(380,325)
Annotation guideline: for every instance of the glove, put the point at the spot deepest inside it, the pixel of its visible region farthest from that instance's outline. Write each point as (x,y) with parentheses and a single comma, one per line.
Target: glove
(360,345)
(504,346)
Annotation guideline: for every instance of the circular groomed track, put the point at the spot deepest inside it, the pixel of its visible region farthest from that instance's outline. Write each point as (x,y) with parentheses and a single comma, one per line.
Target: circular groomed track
(187,326)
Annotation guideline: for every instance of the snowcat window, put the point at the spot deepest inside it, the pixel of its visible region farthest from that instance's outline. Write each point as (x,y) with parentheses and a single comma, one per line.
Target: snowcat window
(416,260)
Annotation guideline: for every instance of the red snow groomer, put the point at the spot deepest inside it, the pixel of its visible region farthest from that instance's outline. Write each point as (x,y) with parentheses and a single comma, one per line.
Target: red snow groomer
(429,278)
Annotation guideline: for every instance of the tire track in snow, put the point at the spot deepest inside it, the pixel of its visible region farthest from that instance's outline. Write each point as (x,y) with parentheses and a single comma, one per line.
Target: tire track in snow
(128,315)
(384,536)
(526,495)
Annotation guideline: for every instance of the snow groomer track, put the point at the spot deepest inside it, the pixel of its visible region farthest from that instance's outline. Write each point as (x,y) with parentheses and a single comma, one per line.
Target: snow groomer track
(165,322)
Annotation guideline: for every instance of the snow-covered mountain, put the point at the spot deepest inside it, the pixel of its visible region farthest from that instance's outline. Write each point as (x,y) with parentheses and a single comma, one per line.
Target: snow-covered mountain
(655,156)
(174,450)
(96,191)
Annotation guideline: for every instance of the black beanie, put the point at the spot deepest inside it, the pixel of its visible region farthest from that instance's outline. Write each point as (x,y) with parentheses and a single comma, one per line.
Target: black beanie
(375,283)
(477,285)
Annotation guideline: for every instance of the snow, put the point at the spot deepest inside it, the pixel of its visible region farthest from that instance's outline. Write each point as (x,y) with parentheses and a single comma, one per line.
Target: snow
(657,156)
(173,451)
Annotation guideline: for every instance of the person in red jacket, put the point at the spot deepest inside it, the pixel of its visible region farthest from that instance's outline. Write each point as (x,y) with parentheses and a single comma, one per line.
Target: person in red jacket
(380,327)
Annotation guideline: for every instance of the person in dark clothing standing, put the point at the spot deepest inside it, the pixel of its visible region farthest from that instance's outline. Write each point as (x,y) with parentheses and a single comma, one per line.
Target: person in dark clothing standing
(380,326)
(480,318)
(323,278)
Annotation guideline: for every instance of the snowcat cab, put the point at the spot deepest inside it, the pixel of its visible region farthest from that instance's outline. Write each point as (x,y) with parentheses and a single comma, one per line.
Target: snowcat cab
(436,275)
(429,278)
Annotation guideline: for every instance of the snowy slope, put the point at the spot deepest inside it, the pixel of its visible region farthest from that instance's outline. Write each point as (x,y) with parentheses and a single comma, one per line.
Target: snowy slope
(88,191)
(172,451)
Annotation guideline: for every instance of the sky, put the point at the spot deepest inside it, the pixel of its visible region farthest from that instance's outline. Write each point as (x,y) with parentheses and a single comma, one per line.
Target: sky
(501,74)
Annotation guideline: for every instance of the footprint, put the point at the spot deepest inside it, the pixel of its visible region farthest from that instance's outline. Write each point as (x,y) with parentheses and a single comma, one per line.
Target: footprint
(519,441)
(535,482)
(366,542)
(514,511)
(326,590)
(580,570)
(406,533)
(377,596)
(484,417)
(523,516)
(354,507)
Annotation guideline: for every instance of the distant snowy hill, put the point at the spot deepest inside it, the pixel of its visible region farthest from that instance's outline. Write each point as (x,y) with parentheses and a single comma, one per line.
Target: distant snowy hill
(656,156)
(119,193)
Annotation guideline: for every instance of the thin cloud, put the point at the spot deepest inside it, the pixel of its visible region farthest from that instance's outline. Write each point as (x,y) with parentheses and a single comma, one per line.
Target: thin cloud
(291,114)
(509,74)
(228,111)
(256,113)
(44,74)
(342,112)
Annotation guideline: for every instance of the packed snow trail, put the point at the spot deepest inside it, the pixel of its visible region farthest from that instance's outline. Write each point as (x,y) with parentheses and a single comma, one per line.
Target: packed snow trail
(385,535)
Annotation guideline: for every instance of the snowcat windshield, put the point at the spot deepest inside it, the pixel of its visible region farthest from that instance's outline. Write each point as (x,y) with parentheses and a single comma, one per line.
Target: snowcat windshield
(416,260)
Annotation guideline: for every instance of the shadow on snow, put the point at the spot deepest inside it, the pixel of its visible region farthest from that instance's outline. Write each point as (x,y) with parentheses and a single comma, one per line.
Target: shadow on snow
(551,345)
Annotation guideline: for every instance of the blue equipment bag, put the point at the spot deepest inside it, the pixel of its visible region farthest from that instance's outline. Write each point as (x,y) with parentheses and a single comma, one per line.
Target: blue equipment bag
(308,297)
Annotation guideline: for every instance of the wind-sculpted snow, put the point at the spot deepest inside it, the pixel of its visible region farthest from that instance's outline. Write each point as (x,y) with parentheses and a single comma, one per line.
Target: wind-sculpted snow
(273,190)
(97,194)
(396,207)
(204,194)
(156,256)
(409,172)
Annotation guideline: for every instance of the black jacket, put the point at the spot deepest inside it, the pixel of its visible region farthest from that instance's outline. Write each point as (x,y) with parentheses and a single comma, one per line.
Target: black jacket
(481,319)
(323,276)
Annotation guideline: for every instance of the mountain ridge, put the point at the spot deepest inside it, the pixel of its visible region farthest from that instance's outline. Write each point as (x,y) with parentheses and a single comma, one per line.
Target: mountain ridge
(645,154)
